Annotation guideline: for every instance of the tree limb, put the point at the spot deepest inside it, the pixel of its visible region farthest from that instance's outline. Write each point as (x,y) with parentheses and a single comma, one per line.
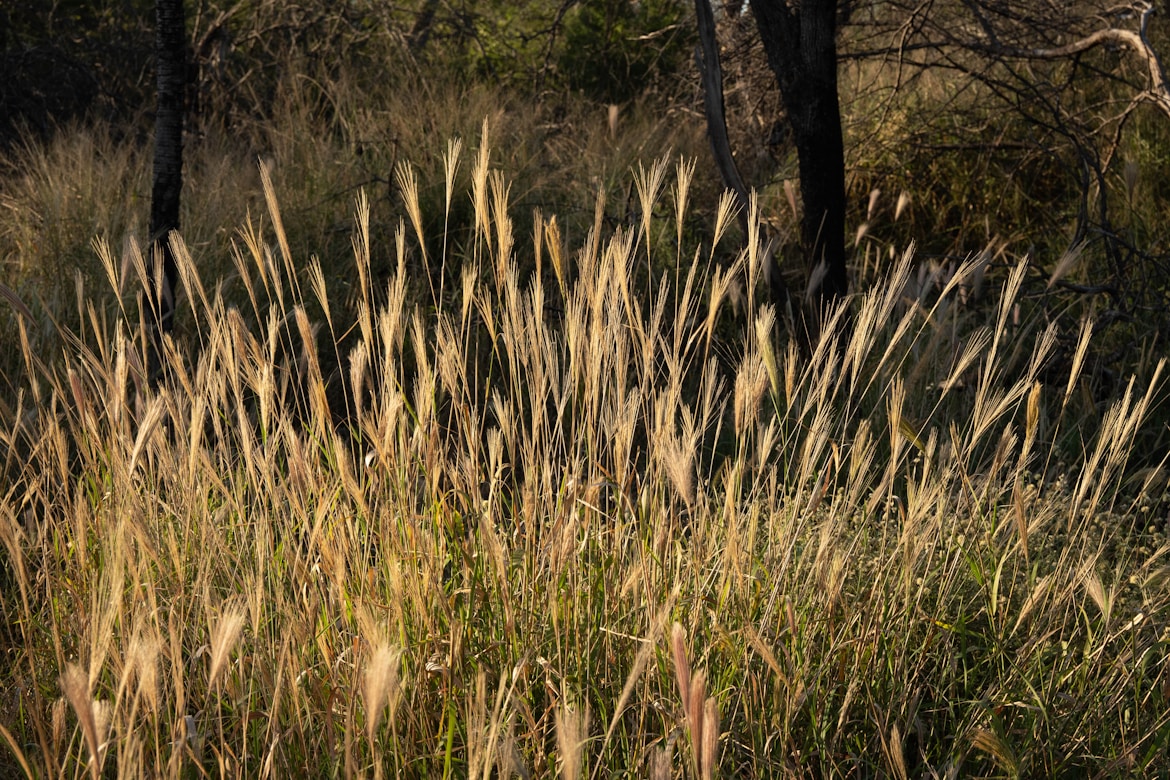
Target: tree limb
(1158,92)
(711,72)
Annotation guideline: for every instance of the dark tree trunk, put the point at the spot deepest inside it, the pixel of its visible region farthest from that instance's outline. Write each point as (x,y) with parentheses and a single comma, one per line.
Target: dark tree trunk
(800,40)
(170,45)
(711,72)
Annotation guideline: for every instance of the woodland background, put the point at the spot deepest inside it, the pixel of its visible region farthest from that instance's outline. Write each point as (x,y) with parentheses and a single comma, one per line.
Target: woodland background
(486,441)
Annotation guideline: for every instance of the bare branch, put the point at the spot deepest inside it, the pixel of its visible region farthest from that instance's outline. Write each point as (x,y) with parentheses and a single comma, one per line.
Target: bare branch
(1137,41)
(707,59)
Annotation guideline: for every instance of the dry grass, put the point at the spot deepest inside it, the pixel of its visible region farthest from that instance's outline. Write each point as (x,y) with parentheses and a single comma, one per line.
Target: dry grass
(473,566)
(323,140)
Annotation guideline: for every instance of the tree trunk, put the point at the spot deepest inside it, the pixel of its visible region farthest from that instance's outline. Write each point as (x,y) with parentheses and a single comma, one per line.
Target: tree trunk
(171,71)
(711,72)
(801,43)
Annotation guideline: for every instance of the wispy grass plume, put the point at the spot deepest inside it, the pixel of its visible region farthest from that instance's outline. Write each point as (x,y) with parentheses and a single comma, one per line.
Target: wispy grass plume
(397,529)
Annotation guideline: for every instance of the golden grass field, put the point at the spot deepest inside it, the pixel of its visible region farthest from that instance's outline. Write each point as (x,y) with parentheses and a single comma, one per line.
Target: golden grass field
(588,519)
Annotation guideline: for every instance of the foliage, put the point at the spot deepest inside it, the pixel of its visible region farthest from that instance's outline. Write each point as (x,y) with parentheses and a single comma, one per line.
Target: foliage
(430,485)
(72,59)
(614,49)
(322,141)
(972,148)
(882,560)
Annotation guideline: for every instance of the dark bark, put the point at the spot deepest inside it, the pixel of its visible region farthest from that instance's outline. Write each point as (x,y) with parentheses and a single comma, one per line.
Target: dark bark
(711,72)
(166,190)
(801,44)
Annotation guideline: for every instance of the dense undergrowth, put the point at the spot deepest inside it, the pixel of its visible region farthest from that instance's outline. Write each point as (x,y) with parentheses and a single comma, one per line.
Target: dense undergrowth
(477,458)
(587,516)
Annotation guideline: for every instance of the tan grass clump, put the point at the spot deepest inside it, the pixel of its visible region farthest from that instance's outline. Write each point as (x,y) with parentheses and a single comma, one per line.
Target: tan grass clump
(909,553)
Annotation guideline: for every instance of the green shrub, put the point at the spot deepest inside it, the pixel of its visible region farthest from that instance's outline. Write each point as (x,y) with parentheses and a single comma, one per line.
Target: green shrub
(613,49)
